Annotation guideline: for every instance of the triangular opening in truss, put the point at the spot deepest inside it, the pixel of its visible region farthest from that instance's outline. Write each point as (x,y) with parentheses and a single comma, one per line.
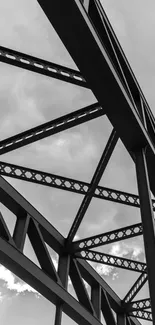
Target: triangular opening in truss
(28,30)
(9,218)
(88,288)
(120,171)
(102,319)
(143,293)
(67,320)
(54,256)
(29,252)
(30,99)
(71,289)
(103,216)
(73,153)
(120,280)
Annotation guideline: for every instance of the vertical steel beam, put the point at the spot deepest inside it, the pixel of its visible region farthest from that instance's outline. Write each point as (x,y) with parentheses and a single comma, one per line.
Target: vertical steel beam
(121,319)
(63,271)
(147,221)
(96,298)
(20,230)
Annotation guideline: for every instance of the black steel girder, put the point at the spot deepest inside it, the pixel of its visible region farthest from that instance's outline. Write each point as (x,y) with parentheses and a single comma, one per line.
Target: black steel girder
(44,278)
(49,128)
(126,117)
(41,66)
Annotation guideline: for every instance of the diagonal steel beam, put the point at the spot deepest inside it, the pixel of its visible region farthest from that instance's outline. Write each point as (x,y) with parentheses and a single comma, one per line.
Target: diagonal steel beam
(138,305)
(135,288)
(13,258)
(57,125)
(79,287)
(20,265)
(147,315)
(40,66)
(106,309)
(18,205)
(112,260)
(108,237)
(94,183)
(127,116)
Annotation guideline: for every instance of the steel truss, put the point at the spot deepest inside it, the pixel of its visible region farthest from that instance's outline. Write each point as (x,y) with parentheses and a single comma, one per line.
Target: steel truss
(106,60)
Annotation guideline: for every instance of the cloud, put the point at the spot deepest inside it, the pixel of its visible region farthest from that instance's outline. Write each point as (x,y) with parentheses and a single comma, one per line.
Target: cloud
(123,249)
(13,283)
(104,269)
(120,250)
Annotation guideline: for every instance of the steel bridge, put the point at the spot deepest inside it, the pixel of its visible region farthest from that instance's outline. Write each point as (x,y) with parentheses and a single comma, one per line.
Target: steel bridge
(88,36)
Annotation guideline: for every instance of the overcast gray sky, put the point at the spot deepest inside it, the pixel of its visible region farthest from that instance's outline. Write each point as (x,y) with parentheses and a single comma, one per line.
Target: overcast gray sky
(28,99)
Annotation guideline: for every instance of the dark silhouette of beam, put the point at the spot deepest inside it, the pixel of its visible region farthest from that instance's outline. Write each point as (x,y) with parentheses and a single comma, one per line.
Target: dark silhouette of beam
(45,130)
(41,66)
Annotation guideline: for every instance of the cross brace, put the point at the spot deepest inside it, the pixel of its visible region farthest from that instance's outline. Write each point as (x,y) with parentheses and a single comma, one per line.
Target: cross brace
(68,184)
(112,260)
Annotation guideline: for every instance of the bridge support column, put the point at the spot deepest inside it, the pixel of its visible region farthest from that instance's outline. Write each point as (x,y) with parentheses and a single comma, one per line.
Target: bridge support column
(121,319)
(147,221)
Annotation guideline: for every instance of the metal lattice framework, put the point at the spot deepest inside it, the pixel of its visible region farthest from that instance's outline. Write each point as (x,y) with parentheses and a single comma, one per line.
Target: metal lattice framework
(133,123)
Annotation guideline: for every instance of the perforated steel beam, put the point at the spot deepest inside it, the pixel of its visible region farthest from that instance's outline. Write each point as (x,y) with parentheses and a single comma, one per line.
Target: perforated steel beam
(57,125)
(68,184)
(40,66)
(138,305)
(135,288)
(112,260)
(108,237)
(146,315)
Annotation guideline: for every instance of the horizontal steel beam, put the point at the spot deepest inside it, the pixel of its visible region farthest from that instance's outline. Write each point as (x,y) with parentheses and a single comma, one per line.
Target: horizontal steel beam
(112,260)
(40,66)
(138,305)
(68,184)
(57,125)
(108,237)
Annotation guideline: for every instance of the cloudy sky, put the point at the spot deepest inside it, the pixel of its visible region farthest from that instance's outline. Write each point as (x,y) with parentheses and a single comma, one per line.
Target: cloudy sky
(27,100)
